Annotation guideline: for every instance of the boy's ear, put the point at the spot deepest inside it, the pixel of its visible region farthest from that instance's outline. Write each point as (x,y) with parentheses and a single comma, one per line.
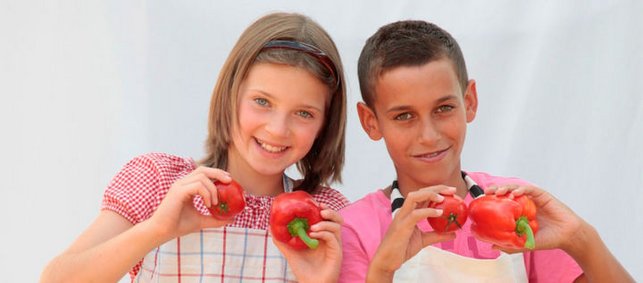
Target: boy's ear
(471,100)
(369,121)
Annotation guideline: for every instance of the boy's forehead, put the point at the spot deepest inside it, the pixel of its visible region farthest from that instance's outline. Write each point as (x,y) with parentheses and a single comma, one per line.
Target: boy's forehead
(435,76)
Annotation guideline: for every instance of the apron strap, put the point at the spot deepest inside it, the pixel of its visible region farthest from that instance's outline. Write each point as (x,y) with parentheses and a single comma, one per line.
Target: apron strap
(397,200)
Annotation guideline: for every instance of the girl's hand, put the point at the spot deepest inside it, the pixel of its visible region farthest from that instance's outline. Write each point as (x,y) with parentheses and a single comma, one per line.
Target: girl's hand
(403,239)
(558,224)
(323,263)
(176,215)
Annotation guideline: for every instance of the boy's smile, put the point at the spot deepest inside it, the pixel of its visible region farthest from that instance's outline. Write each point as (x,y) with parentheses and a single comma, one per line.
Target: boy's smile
(421,112)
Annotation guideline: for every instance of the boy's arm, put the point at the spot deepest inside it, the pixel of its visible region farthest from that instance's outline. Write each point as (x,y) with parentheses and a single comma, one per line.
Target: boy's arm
(354,257)
(560,227)
(593,256)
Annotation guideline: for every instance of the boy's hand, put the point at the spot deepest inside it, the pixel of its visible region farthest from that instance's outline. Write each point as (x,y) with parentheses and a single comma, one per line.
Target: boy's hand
(321,264)
(558,224)
(177,216)
(404,235)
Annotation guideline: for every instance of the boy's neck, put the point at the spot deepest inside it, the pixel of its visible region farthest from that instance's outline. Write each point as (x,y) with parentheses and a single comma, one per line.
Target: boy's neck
(406,184)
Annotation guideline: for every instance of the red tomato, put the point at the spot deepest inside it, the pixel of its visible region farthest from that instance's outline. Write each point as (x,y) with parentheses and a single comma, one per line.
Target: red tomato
(453,217)
(231,200)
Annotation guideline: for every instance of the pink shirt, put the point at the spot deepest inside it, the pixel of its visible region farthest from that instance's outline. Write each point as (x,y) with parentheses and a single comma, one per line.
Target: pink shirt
(366,222)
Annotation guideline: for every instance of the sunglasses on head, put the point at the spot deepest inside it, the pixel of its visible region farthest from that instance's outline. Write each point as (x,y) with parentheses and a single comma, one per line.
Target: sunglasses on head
(308,49)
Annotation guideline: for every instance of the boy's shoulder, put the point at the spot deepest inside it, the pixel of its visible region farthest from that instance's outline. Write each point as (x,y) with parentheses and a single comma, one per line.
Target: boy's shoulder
(484,179)
(367,207)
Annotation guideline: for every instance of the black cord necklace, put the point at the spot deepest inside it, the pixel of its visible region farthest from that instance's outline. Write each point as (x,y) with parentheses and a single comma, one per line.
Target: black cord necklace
(397,200)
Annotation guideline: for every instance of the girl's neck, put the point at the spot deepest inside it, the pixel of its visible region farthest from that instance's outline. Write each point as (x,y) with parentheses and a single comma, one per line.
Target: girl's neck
(253,182)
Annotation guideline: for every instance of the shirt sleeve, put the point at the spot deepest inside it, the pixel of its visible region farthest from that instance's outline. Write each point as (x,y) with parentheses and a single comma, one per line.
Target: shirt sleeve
(551,266)
(332,198)
(355,259)
(134,191)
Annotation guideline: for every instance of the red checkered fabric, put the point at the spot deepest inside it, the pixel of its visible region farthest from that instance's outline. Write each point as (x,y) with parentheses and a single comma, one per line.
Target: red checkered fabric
(137,190)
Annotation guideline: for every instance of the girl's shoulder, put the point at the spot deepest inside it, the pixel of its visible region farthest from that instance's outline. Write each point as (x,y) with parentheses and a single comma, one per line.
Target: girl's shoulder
(162,160)
(331,197)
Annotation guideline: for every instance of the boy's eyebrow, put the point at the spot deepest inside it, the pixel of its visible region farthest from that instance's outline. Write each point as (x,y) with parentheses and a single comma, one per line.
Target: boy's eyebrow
(398,108)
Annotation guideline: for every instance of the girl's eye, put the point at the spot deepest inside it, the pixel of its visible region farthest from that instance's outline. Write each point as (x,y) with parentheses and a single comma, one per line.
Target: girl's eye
(445,108)
(305,114)
(404,116)
(261,101)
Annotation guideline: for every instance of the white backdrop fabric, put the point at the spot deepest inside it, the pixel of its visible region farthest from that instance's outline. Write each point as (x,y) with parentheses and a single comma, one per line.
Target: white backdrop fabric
(87,85)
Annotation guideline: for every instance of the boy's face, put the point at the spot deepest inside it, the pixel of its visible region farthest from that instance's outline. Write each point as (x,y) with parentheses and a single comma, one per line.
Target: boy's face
(421,113)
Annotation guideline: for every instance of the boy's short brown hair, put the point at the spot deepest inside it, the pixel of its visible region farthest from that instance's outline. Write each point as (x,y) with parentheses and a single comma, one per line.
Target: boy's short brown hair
(406,43)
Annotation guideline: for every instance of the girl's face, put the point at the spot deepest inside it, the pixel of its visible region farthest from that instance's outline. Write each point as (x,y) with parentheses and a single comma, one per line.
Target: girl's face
(281,112)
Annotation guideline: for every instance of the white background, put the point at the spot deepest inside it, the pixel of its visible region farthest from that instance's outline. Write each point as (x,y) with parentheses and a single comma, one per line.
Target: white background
(87,85)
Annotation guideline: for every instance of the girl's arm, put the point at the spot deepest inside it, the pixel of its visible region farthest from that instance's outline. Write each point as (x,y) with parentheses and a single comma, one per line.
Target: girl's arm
(111,245)
(104,252)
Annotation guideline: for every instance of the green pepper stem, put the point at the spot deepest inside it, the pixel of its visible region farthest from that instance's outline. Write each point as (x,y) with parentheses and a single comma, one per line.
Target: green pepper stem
(297,228)
(522,227)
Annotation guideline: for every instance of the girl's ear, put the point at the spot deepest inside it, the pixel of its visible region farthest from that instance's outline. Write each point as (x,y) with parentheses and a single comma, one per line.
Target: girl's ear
(369,121)
(471,100)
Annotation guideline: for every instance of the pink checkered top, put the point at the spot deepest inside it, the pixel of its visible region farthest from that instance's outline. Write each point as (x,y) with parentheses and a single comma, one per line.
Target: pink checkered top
(137,190)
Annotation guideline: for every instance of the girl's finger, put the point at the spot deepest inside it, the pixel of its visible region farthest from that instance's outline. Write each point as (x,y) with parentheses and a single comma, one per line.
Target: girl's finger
(327,237)
(326,226)
(331,215)
(213,173)
(197,188)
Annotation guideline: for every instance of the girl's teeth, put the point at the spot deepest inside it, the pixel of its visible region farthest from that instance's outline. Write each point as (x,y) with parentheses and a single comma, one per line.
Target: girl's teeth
(273,149)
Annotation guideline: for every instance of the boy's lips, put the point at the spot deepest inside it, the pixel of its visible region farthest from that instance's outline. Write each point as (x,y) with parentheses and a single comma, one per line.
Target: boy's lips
(270,147)
(432,156)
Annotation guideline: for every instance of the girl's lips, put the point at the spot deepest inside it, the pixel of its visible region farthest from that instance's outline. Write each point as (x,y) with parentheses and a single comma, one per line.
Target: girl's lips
(433,156)
(270,148)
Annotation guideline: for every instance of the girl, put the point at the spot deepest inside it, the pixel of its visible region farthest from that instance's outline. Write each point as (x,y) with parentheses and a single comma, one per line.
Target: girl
(279,100)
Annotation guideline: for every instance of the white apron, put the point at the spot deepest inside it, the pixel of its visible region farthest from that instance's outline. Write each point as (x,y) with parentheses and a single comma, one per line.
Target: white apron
(433,264)
(227,254)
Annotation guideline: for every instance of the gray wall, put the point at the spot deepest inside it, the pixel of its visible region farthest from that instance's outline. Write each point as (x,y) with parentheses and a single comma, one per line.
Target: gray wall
(87,85)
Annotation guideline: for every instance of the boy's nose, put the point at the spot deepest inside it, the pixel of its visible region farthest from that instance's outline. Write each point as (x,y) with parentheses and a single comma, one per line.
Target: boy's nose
(428,132)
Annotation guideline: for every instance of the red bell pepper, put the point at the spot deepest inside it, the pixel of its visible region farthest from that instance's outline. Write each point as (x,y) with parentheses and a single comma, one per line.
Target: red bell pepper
(454,214)
(291,216)
(506,221)
(231,200)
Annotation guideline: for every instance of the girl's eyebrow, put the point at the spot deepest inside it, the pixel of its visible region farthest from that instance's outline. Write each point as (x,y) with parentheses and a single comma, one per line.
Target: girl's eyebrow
(305,106)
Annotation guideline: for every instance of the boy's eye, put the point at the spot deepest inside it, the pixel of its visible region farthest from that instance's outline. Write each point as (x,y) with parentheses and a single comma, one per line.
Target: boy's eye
(261,101)
(305,114)
(445,108)
(404,116)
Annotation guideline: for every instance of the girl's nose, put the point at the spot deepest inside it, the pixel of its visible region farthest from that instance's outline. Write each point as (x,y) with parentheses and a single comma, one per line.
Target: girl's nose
(278,125)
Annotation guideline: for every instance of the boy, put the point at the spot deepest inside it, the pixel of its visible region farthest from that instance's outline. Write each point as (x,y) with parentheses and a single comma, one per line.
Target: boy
(418,98)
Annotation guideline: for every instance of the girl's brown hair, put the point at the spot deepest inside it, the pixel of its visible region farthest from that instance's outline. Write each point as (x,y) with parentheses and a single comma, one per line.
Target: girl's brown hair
(323,163)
